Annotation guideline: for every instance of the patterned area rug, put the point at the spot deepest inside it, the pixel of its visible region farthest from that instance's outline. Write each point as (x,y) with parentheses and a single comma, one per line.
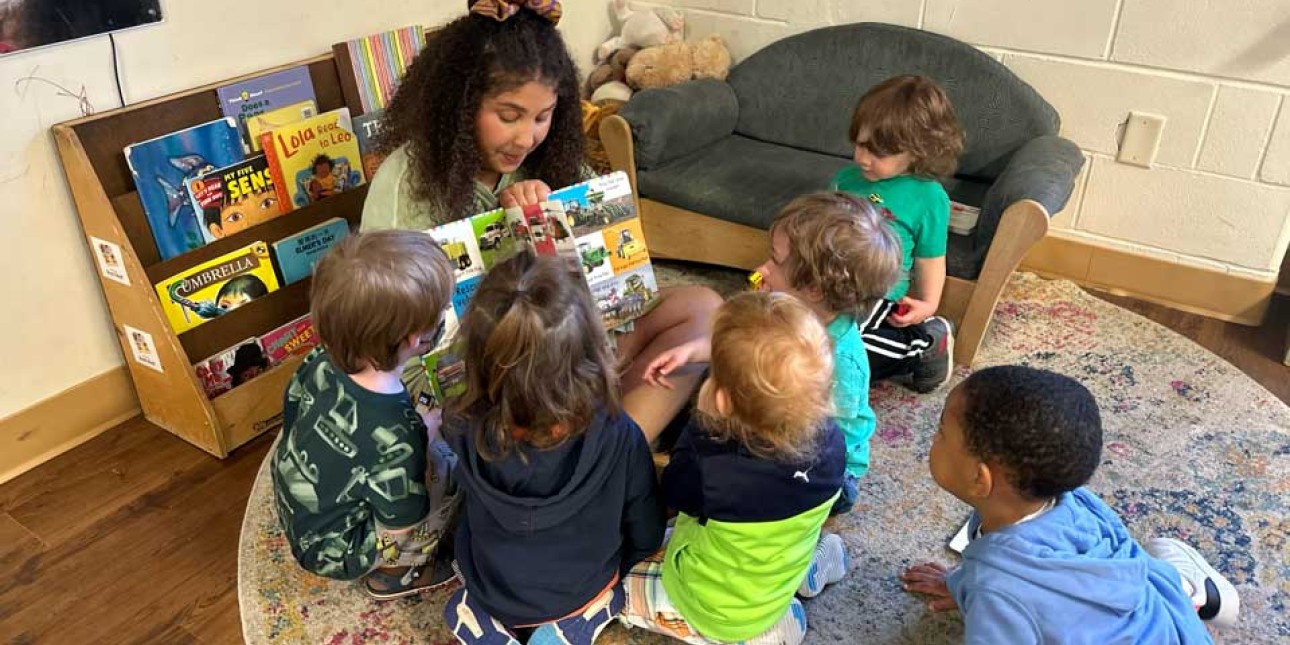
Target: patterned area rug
(1194,449)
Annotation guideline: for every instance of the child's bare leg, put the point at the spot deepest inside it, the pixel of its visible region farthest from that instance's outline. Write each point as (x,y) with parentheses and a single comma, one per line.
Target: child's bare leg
(684,314)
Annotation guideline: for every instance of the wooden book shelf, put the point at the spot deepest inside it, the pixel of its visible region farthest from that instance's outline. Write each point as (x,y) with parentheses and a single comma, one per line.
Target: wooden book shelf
(92,155)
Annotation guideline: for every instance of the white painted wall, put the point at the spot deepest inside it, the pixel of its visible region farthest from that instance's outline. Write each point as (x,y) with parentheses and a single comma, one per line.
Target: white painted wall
(1219,196)
(56,330)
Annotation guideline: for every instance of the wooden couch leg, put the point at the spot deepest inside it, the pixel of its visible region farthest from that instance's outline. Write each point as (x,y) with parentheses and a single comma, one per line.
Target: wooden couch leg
(1023,224)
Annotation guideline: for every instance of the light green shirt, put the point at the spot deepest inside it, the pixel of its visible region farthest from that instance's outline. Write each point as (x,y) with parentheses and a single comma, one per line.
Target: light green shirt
(391,204)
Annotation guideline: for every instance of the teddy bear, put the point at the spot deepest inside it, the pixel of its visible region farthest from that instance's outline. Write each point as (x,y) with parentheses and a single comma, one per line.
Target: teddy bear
(612,75)
(640,29)
(679,62)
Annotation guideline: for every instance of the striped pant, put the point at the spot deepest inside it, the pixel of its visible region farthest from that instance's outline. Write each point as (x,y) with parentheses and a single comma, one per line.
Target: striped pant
(893,351)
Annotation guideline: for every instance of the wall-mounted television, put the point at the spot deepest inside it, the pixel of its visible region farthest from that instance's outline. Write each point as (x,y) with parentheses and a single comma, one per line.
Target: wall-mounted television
(25,24)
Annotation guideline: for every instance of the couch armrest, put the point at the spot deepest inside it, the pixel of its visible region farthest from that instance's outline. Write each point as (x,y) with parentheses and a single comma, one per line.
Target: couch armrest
(674,121)
(1043,170)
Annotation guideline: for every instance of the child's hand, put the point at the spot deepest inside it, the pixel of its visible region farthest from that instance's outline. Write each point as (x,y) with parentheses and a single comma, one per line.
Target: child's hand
(911,312)
(695,351)
(523,193)
(929,579)
(433,418)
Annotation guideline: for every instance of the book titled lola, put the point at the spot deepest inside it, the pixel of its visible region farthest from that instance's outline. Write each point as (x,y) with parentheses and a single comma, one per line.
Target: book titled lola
(314,158)
(214,288)
(298,254)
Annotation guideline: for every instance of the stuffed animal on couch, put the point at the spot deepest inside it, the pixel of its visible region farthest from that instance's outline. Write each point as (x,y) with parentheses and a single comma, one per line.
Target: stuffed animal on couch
(679,62)
(641,29)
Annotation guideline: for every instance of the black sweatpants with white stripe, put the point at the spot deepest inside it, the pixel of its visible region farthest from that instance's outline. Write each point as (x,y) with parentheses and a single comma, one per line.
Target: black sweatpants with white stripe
(893,351)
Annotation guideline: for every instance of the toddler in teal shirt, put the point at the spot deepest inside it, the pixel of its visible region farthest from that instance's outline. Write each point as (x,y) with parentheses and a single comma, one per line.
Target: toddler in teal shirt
(834,252)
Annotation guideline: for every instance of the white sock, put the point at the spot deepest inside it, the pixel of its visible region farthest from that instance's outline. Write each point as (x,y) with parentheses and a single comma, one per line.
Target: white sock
(828,566)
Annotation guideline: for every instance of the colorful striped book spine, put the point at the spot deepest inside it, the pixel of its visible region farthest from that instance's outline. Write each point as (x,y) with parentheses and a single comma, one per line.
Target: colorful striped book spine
(371,67)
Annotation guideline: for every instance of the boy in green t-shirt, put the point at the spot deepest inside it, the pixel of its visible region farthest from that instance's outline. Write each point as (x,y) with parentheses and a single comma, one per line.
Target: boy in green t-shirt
(363,485)
(906,137)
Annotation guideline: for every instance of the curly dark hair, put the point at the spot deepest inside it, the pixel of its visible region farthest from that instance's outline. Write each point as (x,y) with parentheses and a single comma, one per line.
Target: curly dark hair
(468,60)
(1042,427)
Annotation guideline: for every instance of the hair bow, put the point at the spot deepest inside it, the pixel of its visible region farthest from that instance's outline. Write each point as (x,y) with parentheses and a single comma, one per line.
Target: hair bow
(500,10)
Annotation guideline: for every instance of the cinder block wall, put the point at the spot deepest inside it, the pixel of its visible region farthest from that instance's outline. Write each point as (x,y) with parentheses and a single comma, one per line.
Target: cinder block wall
(1219,195)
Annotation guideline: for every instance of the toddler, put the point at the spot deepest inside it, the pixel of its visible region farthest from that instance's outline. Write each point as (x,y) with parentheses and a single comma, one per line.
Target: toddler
(906,138)
(753,477)
(560,491)
(1048,562)
(363,485)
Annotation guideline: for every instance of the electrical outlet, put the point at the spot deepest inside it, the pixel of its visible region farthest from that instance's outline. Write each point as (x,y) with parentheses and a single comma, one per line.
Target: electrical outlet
(1141,139)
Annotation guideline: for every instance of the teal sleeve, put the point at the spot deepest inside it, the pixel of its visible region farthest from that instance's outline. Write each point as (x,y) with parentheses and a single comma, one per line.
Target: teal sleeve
(935,229)
(852,412)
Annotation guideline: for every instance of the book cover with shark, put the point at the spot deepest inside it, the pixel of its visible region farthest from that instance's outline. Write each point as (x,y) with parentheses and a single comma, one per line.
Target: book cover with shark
(160,167)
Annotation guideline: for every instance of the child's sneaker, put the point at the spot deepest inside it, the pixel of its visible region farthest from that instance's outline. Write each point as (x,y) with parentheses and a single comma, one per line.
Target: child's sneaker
(827,567)
(937,362)
(1215,598)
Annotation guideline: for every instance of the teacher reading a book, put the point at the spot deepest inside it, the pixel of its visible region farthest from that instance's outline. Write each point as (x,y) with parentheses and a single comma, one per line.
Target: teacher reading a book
(488,117)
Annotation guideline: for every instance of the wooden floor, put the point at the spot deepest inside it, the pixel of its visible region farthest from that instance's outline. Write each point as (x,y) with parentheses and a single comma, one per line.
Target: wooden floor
(132,537)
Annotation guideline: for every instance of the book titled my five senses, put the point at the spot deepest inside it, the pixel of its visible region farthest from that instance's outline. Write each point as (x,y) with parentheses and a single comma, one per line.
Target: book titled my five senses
(298,254)
(212,289)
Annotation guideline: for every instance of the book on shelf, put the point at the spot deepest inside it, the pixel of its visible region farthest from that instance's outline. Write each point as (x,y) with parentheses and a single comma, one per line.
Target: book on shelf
(299,253)
(367,127)
(160,166)
(256,96)
(211,289)
(291,339)
(234,198)
(258,124)
(593,224)
(313,159)
(371,67)
(231,367)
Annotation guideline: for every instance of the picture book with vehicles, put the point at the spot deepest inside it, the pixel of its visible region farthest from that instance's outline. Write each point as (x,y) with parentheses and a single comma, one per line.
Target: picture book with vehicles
(593,224)
(214,288)
(234,198)
(262,94)
(313,159)
(160,167)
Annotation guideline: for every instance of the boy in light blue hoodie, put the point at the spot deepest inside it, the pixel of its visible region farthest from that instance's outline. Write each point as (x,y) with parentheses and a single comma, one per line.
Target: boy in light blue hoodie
(1047,561)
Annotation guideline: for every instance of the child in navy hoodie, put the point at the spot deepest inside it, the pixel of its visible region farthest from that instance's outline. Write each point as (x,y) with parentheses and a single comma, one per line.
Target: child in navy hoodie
(1048,562)
(560,496)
